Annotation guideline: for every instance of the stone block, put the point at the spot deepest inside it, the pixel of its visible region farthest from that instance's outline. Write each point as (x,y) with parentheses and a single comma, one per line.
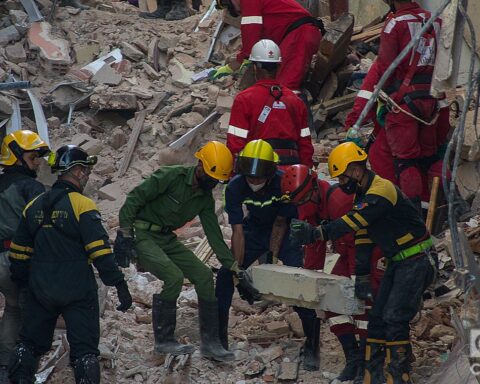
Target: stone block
(181,77)
(112,101)
(6,105)
(295,324)
(306,288)
(107,75)
(15,53)
(89,144)
(131,52)
(118,138)
(110,192)
(269,354)
(278,327)
(151,72)
(54,51)
(288,370)
(53,122)
(8,35)
(86,53)
(468,179)
(224,103)
(18,17)
(224,121)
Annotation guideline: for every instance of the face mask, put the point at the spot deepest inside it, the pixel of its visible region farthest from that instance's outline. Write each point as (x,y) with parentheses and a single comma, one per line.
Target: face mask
(83,180)
(207,183)
(350,187)
(256,187)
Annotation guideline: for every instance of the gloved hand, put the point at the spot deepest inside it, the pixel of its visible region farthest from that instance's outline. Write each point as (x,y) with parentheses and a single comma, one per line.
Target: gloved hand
(354,136)
(303,233)
(245,63)
(244,285)
(123,296)
(124,249)
(363,289)
(22,297)
(220,72)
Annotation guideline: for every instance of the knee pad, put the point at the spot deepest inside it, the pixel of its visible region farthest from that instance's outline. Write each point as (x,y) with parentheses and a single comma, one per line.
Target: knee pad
(403,164)
(23,364)
(87,369)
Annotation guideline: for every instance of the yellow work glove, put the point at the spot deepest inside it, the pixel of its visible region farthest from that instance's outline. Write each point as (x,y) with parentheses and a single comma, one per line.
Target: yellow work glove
(220,72)
(246,63)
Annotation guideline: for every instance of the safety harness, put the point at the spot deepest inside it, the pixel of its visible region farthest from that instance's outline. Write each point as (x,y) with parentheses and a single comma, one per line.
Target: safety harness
(302,21)
(413,250)
(413,86)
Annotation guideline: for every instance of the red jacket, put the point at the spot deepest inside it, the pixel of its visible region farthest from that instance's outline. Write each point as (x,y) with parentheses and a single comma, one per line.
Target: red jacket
(266,19)
(365,93)
(286,119)
(398,31)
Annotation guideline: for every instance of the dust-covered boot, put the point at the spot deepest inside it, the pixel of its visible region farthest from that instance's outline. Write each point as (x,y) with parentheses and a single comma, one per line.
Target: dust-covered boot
(223,328)
(179,11)
(374,361)
(352,357)
(399,355)
(164,320)
(74,4)
(210,346)
(311,349)
(87,370)
(163,7)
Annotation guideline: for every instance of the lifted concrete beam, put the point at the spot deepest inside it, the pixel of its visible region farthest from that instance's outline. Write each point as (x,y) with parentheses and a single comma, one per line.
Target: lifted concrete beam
(306,288)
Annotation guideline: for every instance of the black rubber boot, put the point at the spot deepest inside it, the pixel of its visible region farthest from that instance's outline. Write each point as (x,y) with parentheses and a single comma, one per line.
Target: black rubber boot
(352,357)
(74,4)
(210,346)
(179,11)
(311,349)
(23,365)
(163,7)
(360,376)
(374,362)
(164,319)
(87,370)
(223,328)
(4,375)
(399,354)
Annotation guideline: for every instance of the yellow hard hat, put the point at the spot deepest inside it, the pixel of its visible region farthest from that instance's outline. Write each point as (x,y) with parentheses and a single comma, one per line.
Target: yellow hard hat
(17,143)
(257,159)
(343,155)
(217,160)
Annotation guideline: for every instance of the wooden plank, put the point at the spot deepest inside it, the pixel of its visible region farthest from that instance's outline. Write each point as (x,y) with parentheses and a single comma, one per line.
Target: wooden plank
(367,35)
(132,142)
(137,129)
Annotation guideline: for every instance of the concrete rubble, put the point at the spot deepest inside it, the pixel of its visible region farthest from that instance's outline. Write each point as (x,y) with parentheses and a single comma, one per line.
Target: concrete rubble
(95,73)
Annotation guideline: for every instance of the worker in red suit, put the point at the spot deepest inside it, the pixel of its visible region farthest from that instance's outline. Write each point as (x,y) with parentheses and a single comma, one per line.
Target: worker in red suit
(411,111)
(321,201)
(270,111)
(288,24)
(379,152)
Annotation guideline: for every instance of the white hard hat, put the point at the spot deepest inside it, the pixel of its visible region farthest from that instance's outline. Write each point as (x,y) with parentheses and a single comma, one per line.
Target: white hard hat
(265,51)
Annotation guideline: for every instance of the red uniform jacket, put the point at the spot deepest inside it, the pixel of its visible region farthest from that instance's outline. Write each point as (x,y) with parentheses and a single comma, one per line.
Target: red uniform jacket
(365,93)
(266,19)
(257,115)
(399,30)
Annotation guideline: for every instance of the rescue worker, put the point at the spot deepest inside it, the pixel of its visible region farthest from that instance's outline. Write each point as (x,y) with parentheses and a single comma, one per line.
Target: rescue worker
(263,231)
(286,23)
(383,216)
(20,154)
(412,112)
(169,198)
(324,202)
(171,10)
(270,111)
(59,236)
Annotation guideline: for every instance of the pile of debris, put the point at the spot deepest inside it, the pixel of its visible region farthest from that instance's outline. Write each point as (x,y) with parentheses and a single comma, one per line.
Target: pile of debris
(144,85)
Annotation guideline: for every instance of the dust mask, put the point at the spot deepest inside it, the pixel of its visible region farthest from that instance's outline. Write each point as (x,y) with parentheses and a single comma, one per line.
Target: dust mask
(256,187)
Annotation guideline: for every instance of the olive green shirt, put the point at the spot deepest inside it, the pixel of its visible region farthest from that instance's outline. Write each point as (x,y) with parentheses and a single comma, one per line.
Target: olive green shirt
(167,199)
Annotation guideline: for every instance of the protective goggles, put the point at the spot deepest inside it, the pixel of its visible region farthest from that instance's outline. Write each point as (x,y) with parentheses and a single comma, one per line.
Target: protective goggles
(249,166)
(64,164)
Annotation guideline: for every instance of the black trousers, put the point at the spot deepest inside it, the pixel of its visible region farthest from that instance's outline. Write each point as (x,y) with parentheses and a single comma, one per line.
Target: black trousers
(400,295)
(81,318)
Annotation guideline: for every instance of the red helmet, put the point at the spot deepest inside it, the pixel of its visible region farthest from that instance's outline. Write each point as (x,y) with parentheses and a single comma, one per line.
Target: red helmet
(297,182)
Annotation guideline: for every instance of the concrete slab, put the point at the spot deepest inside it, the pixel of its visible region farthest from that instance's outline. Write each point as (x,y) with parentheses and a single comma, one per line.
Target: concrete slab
(306,288)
